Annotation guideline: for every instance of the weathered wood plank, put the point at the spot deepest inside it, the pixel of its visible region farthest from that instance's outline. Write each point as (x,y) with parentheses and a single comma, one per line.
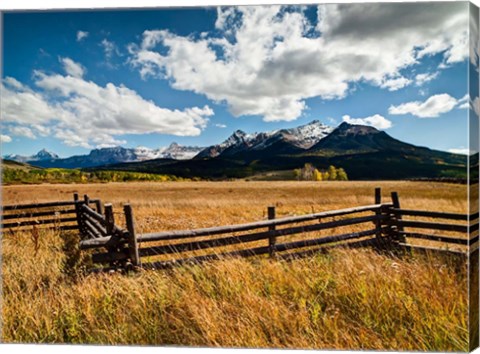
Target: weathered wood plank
(271,239)
(399,228)
(173,235)
(37,222)
(169,235)
(416,248)
(431,225)
(40,205)
(95,224)
(92,230)
(132,239)
(200,259)
(98,206)
(324,240)
(37,214)
(201,245)
(93,214)
(439,238)
(431,214)
(378,200)
(42,227)
(109,218)
(325,249)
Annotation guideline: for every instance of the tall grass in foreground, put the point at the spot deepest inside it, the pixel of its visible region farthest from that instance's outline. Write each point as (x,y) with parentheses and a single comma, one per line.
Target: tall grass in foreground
(354,299)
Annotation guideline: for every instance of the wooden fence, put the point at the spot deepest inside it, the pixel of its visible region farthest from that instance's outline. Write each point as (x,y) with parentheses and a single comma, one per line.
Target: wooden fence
(59,215)
(381,225)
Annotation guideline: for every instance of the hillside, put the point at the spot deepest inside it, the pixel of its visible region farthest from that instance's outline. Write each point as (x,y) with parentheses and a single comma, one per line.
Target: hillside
(15,165)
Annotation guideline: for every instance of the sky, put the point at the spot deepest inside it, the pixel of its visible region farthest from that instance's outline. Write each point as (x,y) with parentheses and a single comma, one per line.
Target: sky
(78,80)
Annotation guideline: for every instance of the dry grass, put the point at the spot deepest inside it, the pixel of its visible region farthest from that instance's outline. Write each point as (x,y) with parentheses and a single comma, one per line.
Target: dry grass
(347,299)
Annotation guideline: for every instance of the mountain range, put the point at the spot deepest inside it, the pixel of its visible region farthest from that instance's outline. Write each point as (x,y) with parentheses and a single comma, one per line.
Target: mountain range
(105,156)
(363,151)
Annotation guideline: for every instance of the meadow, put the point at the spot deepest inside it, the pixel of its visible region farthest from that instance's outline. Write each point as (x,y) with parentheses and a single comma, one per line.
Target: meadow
(347,299)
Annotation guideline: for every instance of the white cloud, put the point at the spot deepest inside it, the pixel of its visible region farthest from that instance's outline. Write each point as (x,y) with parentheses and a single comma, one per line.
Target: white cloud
(5,139)
(396,83)
(72,68)
(461,151)
(220,125)
(376,121)
(421,79)
(81,35)
(10,81)
(86,114)
(269,61)
(21,105)
(22,131)
(431,108)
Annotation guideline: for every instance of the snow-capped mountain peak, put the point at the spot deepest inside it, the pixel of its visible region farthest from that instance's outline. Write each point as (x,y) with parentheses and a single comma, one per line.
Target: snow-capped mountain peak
(42,155)
(173,151)
(302,137)
(305,136)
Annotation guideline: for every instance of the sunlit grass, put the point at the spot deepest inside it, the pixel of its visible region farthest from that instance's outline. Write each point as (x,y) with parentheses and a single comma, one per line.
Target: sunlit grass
(347,299)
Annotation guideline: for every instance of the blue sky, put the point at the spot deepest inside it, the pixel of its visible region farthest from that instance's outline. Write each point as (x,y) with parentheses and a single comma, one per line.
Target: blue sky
(73,81)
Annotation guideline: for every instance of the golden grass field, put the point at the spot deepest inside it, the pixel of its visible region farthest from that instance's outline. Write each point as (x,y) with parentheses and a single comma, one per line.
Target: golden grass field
(348,299)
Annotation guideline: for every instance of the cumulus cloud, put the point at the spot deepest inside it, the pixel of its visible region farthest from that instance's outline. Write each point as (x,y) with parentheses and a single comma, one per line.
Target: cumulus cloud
(376,121)
(23,106)
(82,113)
(431,108)
(267,60)
(81,35)
(22,131)
(5,138)
(72,68)
(219,125)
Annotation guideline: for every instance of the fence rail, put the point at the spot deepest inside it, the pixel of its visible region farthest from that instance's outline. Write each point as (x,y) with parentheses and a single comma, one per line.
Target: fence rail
(23,217)
(381,225)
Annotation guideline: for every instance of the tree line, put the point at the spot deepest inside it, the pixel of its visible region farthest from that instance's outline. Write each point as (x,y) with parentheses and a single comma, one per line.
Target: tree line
(58,175)
(310,173)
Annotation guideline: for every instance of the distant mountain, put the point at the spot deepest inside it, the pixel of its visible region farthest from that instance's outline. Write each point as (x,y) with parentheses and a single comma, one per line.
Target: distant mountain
(363,151)
(107,156)
(284,140)
(42,155)
(174,151)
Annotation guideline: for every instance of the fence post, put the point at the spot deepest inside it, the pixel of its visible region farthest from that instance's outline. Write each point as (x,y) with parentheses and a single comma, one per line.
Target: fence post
(378,213)
(109,219)
(78,213)
(398,217)
(98,206)
(272,237)
(132,238)
(86,198)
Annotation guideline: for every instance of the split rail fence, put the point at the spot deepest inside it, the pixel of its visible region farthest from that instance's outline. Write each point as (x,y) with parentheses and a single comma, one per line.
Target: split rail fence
(380,225)
(60,215)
